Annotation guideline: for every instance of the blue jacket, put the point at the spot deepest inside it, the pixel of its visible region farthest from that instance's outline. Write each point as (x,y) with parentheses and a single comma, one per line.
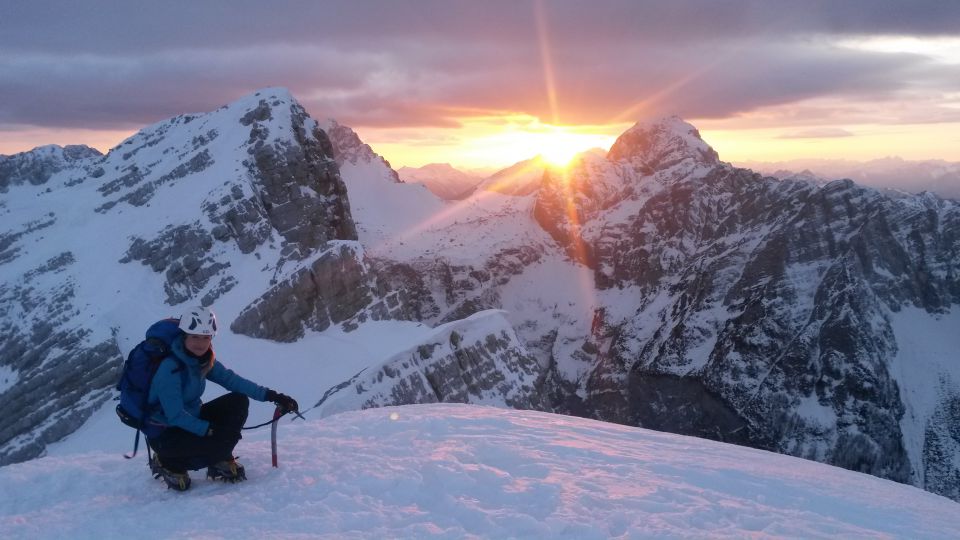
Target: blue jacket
(179,385)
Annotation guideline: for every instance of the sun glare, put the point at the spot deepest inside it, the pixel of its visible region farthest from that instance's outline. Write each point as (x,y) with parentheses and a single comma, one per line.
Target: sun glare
(559,148)
(555,145)
(494,142)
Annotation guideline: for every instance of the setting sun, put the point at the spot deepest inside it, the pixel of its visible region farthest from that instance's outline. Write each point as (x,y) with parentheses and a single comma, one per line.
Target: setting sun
(497,141)
(555,145)
(558,148)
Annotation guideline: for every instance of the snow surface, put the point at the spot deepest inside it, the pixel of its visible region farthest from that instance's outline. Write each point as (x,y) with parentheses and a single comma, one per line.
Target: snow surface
(927,348)
(386,212)
(459,471)
(405,221)
(8,378)
(441,179)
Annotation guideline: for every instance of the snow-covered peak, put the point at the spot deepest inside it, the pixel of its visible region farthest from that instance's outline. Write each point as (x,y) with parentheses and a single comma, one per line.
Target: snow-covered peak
(36,166)
(431,169)
(662,143)
(71,152)
(444,180)
(522,178)
(348,148)
(385,209)
(275,112)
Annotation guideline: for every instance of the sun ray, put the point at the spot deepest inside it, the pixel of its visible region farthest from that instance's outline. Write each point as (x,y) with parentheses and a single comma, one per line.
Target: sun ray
(648,105)
(543,38)
(559,150)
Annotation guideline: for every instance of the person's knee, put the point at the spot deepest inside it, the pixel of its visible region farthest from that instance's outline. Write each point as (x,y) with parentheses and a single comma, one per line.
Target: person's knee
(239,401)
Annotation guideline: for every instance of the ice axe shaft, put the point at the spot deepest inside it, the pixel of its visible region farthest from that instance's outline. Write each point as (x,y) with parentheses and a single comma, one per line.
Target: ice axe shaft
(273,434)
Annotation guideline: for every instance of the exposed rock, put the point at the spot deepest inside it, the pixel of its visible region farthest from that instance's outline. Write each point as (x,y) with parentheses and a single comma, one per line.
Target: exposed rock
(348,148)
(62,378)
(475,360)
(333,289)
(297,184)
(753,311)
(440,292)
(763,313)
(38,165)
(11,242)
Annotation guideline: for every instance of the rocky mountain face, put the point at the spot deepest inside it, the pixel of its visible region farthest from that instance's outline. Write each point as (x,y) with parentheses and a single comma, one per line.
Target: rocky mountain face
(243,206)
(731,306)
(336,288)
(349,149)
(763,312)
(474,360)
(38,165)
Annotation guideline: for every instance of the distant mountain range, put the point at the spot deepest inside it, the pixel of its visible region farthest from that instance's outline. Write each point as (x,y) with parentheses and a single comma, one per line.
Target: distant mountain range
(442,179)
(523,178)
(449,183)
(652,285)
(935,176)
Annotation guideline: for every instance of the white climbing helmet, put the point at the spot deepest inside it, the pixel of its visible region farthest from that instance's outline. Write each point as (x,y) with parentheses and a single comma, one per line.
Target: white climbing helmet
(199,320)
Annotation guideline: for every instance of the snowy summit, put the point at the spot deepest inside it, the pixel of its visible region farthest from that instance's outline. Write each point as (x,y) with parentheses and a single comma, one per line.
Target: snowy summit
(461,471)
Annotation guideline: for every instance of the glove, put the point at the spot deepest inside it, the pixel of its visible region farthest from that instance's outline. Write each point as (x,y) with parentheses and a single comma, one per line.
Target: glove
(285,402)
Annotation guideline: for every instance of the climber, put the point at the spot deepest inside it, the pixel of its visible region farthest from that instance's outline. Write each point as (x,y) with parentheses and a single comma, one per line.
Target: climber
(197,434)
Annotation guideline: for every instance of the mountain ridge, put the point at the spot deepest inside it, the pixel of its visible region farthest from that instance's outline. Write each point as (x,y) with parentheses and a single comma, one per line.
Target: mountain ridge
(654,279)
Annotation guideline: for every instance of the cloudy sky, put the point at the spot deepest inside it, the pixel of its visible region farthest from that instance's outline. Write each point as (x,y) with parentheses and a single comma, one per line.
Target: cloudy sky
(490,82)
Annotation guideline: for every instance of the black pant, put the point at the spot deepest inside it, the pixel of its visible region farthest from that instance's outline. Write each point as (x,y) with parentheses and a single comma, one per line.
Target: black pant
(180,450)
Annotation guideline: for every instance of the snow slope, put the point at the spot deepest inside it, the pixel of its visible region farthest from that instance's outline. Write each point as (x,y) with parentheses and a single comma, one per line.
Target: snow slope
(441,179)
(457,471)
(928,351)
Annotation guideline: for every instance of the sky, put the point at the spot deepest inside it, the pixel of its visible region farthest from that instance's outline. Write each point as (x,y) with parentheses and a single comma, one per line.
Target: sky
(487,84)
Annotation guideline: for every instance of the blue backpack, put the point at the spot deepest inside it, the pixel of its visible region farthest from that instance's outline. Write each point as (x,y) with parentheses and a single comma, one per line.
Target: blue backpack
(134,409)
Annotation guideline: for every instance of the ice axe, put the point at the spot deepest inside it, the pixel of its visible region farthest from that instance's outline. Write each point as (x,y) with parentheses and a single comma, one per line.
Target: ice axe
(273,433)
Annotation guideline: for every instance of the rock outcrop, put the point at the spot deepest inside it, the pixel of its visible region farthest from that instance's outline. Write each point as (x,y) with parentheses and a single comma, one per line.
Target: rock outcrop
(335,288)
(736,307)
(38,165)
(475,360)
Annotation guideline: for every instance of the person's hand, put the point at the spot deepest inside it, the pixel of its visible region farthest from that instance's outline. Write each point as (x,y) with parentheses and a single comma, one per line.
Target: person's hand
(285,402)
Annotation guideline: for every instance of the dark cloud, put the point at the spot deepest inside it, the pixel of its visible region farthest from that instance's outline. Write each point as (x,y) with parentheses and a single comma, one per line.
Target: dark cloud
(119,64)
(105,26)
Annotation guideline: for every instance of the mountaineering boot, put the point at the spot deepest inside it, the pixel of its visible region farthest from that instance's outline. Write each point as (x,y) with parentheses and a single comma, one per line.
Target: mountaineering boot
(228,471)
(155,465)
(174,480)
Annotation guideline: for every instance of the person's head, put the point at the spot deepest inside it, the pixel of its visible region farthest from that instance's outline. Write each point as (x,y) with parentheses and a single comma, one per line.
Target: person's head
(200,325)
